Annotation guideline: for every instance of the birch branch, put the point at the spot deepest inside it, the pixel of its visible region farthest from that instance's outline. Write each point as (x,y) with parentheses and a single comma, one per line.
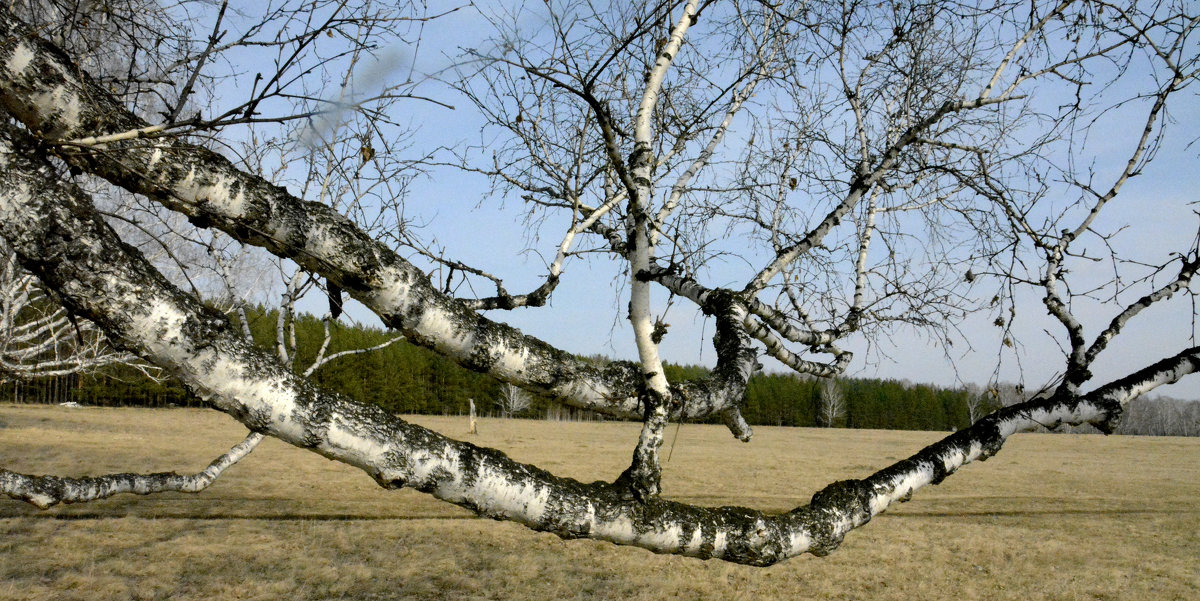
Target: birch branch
(112,284)
(47,491)
(213,193)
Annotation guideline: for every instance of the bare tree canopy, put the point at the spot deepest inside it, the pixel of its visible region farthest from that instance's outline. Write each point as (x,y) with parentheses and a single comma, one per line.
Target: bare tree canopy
(512,400)
(832,406)
(38,338)
(806,175)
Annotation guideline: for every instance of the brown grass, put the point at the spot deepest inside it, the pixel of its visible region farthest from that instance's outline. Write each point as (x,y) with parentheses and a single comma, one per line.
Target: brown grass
(1050,517)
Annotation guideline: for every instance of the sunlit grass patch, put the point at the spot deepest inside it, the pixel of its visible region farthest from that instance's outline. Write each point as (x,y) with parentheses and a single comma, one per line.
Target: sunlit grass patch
(1050,517)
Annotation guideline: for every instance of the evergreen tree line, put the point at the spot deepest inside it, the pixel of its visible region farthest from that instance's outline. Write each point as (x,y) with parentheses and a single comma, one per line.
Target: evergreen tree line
(404,378)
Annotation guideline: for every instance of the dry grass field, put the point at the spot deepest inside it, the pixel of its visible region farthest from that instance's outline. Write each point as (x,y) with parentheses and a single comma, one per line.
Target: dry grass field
(1050,517)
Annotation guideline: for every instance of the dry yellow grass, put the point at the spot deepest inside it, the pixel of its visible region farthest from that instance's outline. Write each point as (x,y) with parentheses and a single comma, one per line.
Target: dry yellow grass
(1050,517)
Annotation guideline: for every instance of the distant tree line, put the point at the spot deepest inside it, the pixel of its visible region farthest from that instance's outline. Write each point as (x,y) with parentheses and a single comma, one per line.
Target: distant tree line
(403,378)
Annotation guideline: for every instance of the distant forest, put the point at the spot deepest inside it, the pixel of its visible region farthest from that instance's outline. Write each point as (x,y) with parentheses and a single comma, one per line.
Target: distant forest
(404,378)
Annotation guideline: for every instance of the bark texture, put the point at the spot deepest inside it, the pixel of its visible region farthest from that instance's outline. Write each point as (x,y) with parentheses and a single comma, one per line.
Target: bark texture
(47,491)
(58,235)
(41,87)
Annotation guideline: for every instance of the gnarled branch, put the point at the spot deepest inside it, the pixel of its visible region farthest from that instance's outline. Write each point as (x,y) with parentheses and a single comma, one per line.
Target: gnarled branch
(60,237)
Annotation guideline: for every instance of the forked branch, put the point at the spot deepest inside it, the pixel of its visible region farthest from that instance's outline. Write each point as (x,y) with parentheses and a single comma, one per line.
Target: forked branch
(115,287)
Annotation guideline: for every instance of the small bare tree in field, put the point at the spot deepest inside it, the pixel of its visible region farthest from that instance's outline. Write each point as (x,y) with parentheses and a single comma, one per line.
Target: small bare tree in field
(976,402)
(832,405)
(472,424)
(807,176)
(512,400)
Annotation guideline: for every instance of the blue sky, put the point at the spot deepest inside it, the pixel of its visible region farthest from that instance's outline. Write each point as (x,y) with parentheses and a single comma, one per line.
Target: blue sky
(586,316)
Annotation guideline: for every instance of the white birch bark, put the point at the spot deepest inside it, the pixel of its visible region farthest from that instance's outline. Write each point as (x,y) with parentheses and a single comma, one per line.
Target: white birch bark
(44,492)
(114,286)
(39,87)
(56,234)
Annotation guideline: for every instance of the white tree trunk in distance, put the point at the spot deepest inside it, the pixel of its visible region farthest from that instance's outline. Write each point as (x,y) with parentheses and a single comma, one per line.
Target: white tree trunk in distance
(473,428)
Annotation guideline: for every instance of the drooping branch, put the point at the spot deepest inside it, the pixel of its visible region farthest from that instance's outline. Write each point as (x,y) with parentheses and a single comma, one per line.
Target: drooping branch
(59,236)
(588,221)
(503,299)
(47,491)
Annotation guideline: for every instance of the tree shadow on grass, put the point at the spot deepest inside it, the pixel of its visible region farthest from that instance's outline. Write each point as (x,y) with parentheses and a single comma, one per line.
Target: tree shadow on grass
(280,517)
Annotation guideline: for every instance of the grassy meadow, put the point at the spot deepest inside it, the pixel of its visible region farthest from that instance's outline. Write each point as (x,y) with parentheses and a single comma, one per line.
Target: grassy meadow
(1050,517)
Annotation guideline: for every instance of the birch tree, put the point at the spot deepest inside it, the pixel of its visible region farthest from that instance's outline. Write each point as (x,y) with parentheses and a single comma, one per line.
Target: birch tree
(512,400)
(976,402)
(871,167)
(832,406)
